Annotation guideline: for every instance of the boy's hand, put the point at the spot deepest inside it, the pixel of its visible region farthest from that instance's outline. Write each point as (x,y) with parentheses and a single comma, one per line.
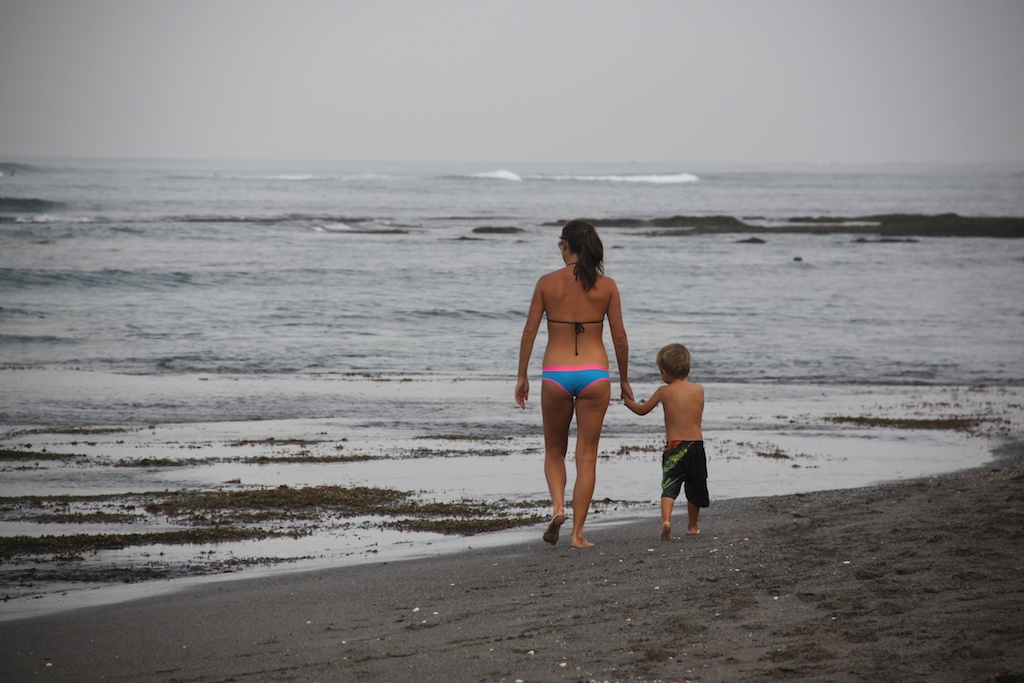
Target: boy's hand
(627,391)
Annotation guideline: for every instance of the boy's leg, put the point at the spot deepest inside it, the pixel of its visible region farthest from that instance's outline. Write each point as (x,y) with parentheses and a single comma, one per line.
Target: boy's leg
(666,517)
(696,487)
(591,406)
(692,513)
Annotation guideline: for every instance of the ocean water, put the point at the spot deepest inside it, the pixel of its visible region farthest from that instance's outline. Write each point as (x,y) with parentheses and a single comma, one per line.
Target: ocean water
(197,304)
(153,292)
(151,268)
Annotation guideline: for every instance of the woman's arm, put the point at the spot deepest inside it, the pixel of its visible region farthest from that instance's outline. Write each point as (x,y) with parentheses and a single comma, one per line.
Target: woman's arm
(530,330)
(619,340)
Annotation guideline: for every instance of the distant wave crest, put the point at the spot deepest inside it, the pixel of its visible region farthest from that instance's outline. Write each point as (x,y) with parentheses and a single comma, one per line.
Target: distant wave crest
(653,178)
(49,218)
(501,174)
(307,177)
(331,227)
(656,178)
(27,205)
(10,168)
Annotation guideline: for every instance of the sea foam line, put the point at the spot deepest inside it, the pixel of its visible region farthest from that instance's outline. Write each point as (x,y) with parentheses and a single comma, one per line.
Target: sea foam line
(654,178)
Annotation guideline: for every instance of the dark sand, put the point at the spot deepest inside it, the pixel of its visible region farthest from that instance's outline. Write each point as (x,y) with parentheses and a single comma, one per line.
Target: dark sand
(916,581)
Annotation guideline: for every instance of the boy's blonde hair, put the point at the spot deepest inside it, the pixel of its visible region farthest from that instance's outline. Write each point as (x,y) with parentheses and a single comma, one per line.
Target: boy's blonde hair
(674,359)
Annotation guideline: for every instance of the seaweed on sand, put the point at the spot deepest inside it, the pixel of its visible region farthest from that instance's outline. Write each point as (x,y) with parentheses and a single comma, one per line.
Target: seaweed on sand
(77,544)
(30,456)
(219,516)
(961,424)
(283,502)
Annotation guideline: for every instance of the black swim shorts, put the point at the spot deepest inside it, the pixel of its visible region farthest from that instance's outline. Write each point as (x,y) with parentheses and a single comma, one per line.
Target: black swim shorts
(684,465)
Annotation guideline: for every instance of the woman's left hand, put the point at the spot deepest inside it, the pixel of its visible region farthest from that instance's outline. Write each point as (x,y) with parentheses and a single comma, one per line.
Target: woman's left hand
(522,392)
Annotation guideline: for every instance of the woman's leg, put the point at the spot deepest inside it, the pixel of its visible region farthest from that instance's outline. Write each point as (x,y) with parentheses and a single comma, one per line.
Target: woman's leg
(557,408)
(591,406)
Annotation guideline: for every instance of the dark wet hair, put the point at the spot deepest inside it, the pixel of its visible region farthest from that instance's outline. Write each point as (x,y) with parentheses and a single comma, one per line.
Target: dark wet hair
(584,242)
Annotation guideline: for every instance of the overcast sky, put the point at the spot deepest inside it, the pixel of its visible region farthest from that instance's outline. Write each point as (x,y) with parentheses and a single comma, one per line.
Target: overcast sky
(533,80)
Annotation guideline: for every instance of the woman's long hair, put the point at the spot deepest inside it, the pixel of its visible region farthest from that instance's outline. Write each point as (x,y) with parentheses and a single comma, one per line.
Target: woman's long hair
(584,242)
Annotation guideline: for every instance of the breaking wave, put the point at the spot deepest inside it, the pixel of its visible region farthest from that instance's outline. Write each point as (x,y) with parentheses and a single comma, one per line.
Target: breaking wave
(656,178)
(651,178)
(498,175)
(27,205)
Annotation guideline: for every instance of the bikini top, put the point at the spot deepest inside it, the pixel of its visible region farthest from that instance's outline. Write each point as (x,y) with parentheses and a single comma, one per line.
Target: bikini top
(579,328)
(579,325)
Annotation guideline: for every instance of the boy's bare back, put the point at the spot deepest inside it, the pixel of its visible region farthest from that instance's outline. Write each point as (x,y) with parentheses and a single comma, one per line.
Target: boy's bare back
(683,404)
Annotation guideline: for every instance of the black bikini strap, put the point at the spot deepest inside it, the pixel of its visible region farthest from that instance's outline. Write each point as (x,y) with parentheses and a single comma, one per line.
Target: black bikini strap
(579,329)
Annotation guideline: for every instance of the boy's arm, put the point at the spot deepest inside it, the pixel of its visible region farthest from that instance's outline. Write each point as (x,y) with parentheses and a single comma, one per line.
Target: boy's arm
(645,407)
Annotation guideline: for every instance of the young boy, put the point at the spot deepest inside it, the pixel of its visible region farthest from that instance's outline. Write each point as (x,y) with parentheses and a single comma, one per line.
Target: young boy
(683,463)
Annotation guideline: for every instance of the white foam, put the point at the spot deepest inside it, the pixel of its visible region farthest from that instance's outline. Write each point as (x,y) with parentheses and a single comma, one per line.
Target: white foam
(661,179)
(49,218)
(501,174)
(307,177)
(294,177)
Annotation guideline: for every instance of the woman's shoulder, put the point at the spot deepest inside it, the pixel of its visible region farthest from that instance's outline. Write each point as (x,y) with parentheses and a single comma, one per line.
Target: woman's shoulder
(549,277)
(606,282)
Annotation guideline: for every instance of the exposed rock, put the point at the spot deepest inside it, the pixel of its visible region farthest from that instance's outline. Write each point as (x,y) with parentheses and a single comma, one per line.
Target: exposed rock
(921,225)
(883,225)
(696,224)
(884,240)
(497,230)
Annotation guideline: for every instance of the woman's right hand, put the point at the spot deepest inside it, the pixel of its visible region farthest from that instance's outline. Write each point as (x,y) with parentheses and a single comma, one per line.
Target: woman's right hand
(627,391)
(522,392)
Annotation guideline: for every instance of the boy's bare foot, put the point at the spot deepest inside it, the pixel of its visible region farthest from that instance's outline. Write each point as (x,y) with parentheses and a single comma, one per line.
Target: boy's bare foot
(551,534)
(692,532)
(666,532)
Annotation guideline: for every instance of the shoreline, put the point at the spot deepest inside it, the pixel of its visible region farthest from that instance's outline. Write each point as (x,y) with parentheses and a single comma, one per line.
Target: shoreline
(919,579)
(294,484)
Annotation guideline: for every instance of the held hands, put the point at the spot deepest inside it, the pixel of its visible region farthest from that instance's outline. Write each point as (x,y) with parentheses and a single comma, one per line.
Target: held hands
(522,392)
(627,391)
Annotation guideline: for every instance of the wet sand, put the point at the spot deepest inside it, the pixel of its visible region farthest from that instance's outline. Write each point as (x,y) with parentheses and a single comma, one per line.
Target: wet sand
(919,580)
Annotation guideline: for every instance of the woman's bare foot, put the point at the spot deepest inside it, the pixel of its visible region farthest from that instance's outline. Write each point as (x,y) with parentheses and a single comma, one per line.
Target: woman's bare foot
(666,532)
(581,542)
(693,532)
(551,534)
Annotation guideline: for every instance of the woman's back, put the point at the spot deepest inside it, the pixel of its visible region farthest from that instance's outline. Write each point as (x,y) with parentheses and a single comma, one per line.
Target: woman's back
(575,318)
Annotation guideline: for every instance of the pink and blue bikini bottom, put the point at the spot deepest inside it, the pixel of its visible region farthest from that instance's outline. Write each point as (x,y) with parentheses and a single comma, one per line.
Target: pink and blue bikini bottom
(574,380)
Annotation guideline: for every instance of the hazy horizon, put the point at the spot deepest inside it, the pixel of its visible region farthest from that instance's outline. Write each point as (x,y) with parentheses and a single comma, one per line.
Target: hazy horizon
(682,83)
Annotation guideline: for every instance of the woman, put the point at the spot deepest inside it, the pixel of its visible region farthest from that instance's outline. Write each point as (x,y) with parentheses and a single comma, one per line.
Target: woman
(576,299)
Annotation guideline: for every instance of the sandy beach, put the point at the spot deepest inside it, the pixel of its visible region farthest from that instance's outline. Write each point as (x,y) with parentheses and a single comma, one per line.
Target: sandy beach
(918,580)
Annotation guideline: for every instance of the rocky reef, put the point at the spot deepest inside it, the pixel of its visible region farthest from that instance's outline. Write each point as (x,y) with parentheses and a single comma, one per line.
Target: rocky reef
(884,225)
